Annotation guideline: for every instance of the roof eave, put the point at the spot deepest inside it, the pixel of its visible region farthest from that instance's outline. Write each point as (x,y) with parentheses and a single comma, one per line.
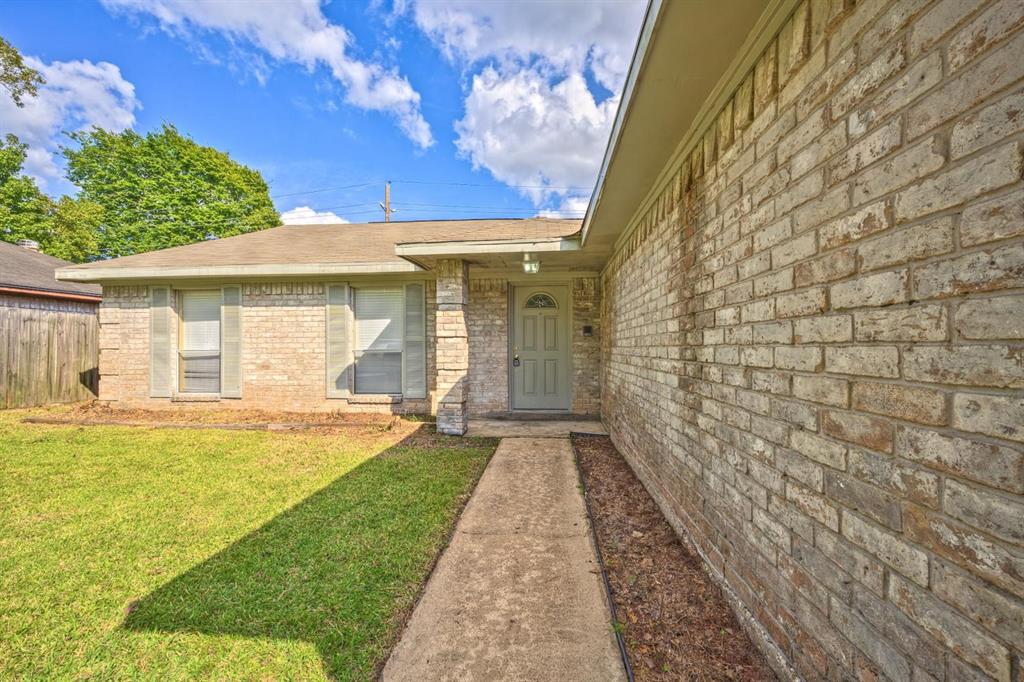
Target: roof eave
(50,293)
(690,101)
(490,246)
(635,66)
(100,274)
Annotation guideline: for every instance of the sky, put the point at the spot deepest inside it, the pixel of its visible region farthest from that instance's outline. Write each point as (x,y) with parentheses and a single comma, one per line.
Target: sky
(471,109)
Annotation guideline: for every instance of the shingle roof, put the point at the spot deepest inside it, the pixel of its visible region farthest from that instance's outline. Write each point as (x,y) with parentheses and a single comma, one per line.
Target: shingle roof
(336,243)
(21,268)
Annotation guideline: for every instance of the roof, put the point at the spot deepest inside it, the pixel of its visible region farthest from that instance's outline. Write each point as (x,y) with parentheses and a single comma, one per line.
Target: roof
(689,59)
(33,272)
(317,249)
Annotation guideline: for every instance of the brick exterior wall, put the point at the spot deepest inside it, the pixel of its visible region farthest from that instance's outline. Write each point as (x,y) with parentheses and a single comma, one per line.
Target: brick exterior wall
(812,342)
(283,347)
(283,351)
(487,318)
(586,350)
(452,347)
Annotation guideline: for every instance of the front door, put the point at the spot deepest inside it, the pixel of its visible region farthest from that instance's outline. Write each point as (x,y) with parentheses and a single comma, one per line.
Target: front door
(540,348)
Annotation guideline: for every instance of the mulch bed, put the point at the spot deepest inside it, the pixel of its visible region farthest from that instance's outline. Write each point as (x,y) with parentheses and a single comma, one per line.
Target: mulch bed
(204,417)
(676,622)
(200,413)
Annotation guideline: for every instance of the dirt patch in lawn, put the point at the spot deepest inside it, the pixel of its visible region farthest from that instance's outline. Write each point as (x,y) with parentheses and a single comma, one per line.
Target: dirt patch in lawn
(206,417)
(675,620)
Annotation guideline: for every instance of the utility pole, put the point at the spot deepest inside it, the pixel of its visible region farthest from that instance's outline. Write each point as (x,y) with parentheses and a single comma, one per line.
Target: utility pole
(387,202)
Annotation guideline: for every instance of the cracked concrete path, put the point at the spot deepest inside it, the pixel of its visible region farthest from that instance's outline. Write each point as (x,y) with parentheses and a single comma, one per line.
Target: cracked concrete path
(517,595)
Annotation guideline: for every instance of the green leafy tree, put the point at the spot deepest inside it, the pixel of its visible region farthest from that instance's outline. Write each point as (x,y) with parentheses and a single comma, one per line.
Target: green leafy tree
(15,75)
(73,230)
(162,189)
(66,229)
(24,210)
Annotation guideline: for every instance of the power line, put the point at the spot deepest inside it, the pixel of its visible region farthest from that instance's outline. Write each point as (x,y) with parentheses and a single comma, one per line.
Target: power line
(322,189)
(499,183)
(420,203)
(566,188)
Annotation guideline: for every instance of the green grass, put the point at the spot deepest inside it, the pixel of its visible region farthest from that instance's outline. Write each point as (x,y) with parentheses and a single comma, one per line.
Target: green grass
(162,554)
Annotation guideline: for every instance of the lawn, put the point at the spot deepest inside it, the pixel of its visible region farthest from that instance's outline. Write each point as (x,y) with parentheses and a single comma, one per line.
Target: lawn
(168,554)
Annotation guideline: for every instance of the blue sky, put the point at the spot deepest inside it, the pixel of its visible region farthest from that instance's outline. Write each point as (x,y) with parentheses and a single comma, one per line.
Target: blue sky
(471,109)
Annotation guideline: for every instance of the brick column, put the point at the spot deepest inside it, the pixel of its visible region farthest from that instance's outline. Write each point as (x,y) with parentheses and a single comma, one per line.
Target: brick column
(452,346)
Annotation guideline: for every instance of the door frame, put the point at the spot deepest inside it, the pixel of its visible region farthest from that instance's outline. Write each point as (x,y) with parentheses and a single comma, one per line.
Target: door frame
(571,384)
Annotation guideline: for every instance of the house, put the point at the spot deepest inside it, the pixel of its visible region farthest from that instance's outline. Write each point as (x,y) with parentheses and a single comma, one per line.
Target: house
(48,330)
(402,317)
(795,300)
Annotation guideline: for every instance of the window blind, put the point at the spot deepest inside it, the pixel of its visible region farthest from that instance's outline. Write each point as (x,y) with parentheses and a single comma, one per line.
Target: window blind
(379,317)
(200,342)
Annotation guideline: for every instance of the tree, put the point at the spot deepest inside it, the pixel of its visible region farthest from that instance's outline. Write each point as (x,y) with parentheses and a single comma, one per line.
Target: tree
(24,210)
(162,189)
(73,229)
(65,229)
(15,75)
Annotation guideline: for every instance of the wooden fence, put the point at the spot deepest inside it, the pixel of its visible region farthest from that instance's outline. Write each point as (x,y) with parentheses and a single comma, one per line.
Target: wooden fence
(49,351)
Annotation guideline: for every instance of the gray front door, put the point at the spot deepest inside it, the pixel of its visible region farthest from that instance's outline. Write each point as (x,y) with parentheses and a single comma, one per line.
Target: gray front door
(540,348)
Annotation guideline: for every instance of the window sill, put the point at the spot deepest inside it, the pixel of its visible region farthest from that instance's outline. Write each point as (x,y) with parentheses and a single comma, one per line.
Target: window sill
(195,398)
(374,399)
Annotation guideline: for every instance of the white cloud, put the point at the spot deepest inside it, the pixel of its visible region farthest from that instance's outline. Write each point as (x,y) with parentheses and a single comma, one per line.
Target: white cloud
(570,207)
(531,118)
(566,34)
(77,95)
(297,32)
(526,131)
(304,215)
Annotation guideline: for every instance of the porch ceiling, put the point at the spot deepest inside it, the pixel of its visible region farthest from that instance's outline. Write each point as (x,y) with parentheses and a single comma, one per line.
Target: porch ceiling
(561,254)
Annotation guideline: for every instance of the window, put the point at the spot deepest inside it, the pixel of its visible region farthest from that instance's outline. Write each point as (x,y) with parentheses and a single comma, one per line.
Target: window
(540,301)
(199,342)
(379,344)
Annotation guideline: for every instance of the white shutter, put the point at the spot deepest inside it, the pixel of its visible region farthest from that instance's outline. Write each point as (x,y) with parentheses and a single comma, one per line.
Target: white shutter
(415,357)
(339,341)
(160,342)
(231,343)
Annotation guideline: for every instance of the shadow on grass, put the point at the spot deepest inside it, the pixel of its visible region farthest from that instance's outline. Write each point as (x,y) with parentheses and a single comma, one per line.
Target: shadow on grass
(336,570)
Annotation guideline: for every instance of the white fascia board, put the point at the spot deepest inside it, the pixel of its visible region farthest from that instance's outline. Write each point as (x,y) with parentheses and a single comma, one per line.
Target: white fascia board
(494,246)
(640,51)
(73,274)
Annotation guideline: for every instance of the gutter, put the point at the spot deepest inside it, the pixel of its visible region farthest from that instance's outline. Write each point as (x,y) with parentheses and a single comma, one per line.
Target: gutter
(636,65)
(87,274)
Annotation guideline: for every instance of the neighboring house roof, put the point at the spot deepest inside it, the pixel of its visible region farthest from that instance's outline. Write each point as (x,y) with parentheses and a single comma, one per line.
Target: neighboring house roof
(30,272)
(319,249)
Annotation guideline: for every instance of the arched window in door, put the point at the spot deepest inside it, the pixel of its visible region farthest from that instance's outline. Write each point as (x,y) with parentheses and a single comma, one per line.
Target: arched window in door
(541,301)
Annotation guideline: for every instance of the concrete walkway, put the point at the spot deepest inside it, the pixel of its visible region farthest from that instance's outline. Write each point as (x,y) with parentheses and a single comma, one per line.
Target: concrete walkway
(517,595)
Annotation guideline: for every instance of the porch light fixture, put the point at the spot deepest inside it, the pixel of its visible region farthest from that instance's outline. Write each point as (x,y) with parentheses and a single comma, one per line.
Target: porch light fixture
(530,266)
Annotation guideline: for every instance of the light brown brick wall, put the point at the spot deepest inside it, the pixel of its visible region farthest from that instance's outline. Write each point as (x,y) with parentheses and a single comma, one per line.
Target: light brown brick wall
(283,351)
(487,319)
(586,350)
(283,346)
(812,342)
